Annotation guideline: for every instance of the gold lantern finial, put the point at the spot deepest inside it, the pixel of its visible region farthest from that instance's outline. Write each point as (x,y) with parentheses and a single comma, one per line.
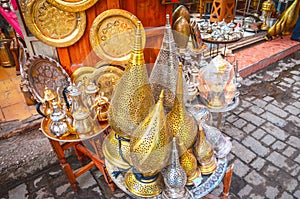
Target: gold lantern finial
(149,147)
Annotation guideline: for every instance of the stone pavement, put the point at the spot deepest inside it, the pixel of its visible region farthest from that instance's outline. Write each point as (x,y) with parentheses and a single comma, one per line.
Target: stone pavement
(265,133)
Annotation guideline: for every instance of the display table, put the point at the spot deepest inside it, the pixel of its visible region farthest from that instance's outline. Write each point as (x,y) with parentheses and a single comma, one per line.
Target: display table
(89,147)
(208,184)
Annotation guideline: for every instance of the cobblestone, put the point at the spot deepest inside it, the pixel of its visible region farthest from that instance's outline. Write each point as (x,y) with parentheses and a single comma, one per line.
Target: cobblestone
(256,146)
(278,145)
(275,131)
(260,103)
(289,152)
(274,119)
(255,178)
(271,192)
(268,139)
(245,191)
(291,109)
(278,104)
(294,141)
(249,128)
(285,195)
(256,110)
(259,133)
(252,118)
(258,163)
(242,152)
(274,109)
(240,169)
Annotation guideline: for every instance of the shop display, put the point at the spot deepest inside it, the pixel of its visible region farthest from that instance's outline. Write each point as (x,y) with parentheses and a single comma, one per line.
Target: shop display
(114,27)
(73,6)
(146,114)
(65,29)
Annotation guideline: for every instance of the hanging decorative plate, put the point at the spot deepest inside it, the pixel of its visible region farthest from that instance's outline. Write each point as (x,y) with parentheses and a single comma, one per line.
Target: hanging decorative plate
(106,78)
(53,26)
(41,71)
(73,5)
(82,74)
(112,35)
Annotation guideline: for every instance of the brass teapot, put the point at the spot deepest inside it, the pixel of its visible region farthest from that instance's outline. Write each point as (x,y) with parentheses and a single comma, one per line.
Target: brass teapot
(46,103)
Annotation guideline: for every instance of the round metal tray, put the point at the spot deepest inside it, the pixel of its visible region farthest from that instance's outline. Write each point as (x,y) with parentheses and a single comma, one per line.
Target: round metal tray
(41,71)
(53,26)
(74,5)
(45,129)
(112,35)
(209,182)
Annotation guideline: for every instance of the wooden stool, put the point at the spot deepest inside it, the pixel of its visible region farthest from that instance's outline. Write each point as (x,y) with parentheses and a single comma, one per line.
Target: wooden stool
(222,9)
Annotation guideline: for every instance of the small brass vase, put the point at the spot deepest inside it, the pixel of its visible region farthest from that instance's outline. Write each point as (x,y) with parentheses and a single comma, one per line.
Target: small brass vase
(205,154)
(188,162)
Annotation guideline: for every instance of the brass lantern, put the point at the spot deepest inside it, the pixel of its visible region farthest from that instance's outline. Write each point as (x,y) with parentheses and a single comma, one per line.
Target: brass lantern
(181,123)
(132,98)
(165,69)
(130,104)
(149,150)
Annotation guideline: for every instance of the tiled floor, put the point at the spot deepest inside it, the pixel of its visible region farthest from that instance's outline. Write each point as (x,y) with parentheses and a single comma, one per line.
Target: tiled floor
(12,102)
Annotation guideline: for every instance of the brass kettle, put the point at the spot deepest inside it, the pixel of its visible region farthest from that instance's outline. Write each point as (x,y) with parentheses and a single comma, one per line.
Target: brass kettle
(46,103)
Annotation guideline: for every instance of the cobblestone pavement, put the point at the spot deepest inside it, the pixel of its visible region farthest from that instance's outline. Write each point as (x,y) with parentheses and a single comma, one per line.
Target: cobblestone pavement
(265,133)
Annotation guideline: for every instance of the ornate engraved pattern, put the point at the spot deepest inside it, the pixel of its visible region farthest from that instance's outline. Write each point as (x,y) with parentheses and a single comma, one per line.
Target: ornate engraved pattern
(73,5)
(53,26)
(41,71)
(113,28)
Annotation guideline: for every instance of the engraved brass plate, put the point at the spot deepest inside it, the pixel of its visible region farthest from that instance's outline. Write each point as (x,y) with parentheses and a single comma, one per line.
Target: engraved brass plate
(112,35)
(73,5)
(53,26)
(41,71)
(106,77)
(82,74)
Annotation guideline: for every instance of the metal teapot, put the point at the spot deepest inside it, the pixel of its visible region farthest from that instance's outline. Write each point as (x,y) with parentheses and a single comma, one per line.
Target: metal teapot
(46,103)
(59,125)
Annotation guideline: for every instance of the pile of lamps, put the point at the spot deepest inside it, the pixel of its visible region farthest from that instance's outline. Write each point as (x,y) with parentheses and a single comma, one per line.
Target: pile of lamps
(158,144)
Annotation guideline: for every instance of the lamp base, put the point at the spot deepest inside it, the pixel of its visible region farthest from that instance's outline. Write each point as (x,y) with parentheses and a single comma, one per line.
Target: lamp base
(116,150)
(143,188)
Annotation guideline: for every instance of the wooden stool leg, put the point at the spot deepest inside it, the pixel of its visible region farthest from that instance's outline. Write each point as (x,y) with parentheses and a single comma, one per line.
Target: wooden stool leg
(227,182)
(59,152)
